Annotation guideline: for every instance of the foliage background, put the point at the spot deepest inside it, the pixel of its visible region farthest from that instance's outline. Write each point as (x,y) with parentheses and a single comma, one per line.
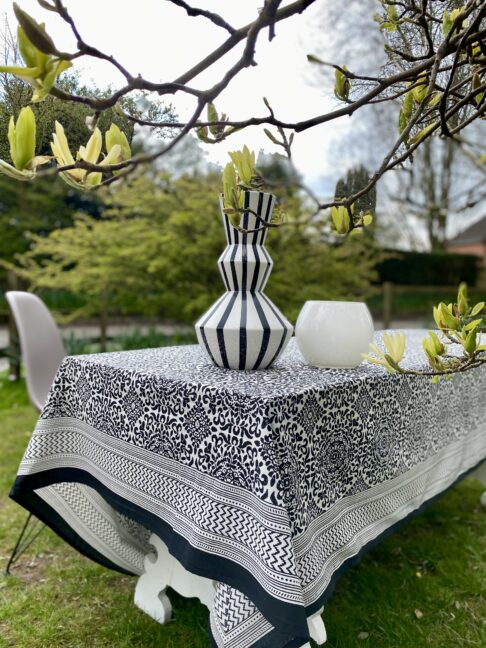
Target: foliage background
(153,250)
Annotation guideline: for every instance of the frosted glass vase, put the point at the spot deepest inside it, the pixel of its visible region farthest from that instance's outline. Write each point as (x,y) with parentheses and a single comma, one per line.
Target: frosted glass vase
(334,334)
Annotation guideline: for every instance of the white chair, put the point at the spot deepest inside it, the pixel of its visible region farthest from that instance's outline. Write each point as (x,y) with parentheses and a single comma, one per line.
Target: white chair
(42,352)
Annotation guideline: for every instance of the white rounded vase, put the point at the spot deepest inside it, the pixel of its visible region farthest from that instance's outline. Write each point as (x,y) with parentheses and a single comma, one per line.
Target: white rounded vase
(333,334)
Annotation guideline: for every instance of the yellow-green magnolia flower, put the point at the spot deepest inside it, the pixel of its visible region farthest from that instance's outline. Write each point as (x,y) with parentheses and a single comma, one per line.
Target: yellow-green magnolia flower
(433,349)
(80,178)
(341,218)
(21,137)
(444,318)
(244,162)
(41,69)
(229,185)
(114,136)
(392,356)
(62,153)
(232,195)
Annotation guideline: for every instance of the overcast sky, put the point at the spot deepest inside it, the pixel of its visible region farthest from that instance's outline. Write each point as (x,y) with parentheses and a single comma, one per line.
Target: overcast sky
(160,41)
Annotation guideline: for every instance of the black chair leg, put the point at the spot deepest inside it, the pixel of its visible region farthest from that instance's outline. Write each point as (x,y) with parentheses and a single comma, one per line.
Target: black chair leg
(25,539)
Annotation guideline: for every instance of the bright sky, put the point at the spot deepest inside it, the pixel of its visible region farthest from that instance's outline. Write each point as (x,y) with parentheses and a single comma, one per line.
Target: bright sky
(160,41)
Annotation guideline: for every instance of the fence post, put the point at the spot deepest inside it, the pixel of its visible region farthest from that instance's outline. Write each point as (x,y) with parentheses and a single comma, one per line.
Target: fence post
(13,338)
(387,303)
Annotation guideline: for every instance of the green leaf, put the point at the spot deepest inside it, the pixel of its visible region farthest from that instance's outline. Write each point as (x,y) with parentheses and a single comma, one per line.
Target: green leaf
(447,318)
(423,133)
(202,133)
(28,74)
(212,117)
(420,90)
(471,342)
(408,104)
(473,324)
(446,22)
(14,173)
(436,97)
(476,83)
(392,13)
(402,121)
(31,55)
(342,84)
(367,219)
(462,303)
(477,309)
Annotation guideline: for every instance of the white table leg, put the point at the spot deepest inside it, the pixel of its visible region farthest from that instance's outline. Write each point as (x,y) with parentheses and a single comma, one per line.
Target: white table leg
(480,474)
(317,629)
(162,571)
(150,593)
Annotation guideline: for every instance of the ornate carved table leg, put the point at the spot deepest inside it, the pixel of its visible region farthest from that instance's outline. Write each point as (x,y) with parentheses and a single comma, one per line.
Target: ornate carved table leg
(161,571)
(480,474)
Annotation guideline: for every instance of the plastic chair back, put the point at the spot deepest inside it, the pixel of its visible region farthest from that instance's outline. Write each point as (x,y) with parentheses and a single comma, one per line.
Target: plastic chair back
(40,343)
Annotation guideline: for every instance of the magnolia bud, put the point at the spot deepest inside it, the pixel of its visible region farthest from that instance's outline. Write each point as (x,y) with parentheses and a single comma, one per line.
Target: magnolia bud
(35,33)
(21,137)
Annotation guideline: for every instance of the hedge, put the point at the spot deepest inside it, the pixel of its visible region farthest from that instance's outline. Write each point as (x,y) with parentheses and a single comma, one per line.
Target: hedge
(428,268)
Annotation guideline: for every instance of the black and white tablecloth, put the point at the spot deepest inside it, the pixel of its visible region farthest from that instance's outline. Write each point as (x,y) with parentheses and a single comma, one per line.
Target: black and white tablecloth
(269,482)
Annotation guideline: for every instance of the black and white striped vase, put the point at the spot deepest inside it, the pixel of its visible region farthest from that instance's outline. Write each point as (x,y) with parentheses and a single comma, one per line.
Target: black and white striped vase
(244,329)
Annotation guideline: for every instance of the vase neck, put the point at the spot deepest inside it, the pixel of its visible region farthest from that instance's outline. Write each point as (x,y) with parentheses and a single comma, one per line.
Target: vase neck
(260,207)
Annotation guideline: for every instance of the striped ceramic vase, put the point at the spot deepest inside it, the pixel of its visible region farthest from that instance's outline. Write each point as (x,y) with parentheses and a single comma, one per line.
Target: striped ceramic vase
(244,329)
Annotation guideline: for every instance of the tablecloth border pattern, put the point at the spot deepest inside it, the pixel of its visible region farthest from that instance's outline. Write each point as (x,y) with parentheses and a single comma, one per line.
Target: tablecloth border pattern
(194,560)
(190,556)
(30,500)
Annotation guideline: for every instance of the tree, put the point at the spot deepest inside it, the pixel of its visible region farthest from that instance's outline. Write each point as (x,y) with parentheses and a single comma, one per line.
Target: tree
(442,184)
(420,201)
(435,69)
(101,263)
(355,180)
(426,47)
(49,204)
(155,251)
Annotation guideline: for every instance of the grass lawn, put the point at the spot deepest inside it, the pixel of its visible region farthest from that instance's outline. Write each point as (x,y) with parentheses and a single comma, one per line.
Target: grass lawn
(424,586)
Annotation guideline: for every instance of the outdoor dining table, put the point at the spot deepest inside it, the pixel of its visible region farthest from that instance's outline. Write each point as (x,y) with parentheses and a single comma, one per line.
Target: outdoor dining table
(270,483)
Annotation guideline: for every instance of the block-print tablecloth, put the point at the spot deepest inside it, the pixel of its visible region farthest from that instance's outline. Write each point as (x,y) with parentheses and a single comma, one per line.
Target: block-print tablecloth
(269,482)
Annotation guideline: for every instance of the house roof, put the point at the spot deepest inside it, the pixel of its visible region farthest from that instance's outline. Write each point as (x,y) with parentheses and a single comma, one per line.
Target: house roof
(475,233)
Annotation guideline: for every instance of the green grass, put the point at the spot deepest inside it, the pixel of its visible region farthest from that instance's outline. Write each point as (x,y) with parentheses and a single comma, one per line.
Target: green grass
(435,565)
